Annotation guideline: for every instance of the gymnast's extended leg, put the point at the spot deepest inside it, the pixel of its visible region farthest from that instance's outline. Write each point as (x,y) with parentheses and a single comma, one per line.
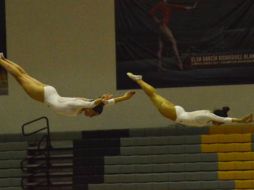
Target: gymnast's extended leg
(165,107)
(33,87)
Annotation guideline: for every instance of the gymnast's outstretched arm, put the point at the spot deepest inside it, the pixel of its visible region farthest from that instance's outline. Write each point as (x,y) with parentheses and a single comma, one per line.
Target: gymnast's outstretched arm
(225,120)
(111,100)
(245,119)
(83,103)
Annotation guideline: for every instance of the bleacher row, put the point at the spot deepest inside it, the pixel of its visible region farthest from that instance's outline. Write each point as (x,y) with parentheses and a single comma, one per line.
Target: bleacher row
(169,158)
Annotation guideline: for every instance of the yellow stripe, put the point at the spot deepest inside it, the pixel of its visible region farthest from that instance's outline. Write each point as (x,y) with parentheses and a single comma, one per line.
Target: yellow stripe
(239,156)
(236,165)
(244,184)
(222,138)
(236,175)
(232,147)
(239,129)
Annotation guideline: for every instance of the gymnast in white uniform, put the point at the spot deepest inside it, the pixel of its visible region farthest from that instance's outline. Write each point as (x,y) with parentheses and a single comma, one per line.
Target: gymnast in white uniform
(68,106)
(177,113)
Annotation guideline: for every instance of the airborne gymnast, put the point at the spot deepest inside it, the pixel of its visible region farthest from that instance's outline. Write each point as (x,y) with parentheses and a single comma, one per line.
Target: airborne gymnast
(177,113)
(68,106)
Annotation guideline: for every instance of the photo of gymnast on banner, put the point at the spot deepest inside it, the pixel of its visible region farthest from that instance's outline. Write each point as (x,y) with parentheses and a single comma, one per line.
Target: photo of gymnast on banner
(175,43)
(3,73)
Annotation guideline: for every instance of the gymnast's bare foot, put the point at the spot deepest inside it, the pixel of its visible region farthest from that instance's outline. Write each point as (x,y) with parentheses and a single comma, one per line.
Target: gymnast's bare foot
(134,77)
(1,55)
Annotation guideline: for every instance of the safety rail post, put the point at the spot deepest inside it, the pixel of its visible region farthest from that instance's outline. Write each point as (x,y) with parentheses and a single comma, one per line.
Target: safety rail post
(39,130)
(39,149)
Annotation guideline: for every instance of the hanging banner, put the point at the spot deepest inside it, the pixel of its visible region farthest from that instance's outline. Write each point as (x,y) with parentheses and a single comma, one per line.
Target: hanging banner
(175,43)
(3,74)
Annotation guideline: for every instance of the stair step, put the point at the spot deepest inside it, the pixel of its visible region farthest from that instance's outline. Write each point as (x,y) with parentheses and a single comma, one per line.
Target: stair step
(10,182)
(55,183)
(52,165)
(187,185)
(164,140)
(9,164)
(51,174)
(10,173)
(151,177)
(165,149)
(12,155)
(163,168)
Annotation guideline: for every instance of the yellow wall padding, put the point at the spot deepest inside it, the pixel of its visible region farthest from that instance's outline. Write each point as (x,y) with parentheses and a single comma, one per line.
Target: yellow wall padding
(236,156)
(234,129)
(230,138)
(236,175)
(244,184)
(229,147)
(236,165)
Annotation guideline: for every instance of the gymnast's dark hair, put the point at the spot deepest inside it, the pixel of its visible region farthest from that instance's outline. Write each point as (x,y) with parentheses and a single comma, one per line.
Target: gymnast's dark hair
(222,112)
(99,108)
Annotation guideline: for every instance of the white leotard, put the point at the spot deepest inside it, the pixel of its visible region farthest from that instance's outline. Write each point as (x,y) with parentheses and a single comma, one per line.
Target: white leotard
(65,105)
(198,118)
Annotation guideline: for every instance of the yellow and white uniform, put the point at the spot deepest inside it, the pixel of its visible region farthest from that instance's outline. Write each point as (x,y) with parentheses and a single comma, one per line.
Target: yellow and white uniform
(68,106)
(198,118)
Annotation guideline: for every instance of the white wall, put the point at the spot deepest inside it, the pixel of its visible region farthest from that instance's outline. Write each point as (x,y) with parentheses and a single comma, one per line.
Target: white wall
(70,44)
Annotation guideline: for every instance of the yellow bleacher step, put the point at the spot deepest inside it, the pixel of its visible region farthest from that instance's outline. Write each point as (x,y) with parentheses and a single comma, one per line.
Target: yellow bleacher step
(232,129)
(244,184)
(236,165)
(236,175)
(227,138)
(226,147)
(236,156)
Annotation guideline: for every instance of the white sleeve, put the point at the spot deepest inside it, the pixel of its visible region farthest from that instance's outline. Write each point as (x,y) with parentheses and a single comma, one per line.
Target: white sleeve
(221,119)
(110,102)
(228,120)
(80,103)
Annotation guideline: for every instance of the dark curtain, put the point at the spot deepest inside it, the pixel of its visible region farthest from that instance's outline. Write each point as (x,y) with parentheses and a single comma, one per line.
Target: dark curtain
(3,74)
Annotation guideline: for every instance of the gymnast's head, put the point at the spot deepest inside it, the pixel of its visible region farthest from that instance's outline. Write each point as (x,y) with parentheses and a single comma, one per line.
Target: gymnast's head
(97,110)
(223,112)
(91,112)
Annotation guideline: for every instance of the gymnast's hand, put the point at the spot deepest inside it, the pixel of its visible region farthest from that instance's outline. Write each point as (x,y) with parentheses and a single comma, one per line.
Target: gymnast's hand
(247,119)
(129,94)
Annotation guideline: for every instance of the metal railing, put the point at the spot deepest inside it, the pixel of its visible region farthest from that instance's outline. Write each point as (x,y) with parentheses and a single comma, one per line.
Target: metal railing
(40,151)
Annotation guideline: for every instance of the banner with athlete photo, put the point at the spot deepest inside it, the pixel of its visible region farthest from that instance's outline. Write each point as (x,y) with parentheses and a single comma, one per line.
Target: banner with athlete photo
(176,43)
(3,74)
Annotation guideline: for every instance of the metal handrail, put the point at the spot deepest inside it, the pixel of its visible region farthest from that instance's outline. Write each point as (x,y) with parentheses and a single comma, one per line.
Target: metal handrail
(39,148)
(48,143)
(37,131)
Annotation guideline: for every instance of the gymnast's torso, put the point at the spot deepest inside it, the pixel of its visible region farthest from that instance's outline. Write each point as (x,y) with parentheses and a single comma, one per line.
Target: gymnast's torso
(68,106)
(198,118)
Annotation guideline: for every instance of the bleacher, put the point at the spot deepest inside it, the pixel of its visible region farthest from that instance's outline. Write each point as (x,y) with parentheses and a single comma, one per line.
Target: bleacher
(168,158)
(12,151)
